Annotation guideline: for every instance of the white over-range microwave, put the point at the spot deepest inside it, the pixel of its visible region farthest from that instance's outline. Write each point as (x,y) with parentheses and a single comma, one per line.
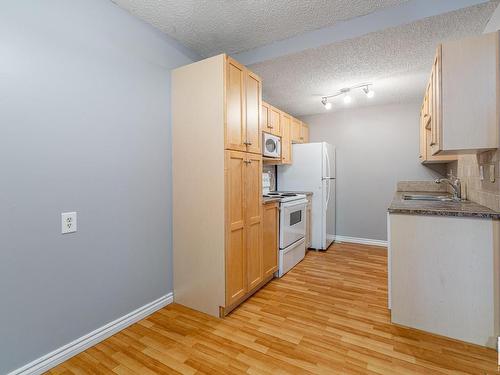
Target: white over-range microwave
(271,145)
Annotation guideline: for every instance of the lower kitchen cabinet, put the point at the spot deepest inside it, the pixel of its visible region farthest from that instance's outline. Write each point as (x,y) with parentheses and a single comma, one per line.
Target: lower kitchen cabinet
(270,240)
(244,261)
(443,275)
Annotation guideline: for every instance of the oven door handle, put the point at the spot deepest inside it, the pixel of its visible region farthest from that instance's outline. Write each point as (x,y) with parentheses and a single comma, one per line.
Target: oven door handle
(293,203)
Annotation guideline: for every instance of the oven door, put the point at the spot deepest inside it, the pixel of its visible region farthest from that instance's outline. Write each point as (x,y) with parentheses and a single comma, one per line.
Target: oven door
(292,222)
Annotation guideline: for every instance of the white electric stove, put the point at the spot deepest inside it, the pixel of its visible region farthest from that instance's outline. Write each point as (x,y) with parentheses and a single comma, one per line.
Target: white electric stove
(292,229)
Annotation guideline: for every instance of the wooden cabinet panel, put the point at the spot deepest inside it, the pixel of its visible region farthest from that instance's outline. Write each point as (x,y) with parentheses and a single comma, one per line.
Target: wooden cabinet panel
(264,119)
(286,142)
(253,90)
(270,239)
(253,206)
(235,106)
(271,119)
(296,131)
(236,280)
(274,115)
(244,267)
(304,136)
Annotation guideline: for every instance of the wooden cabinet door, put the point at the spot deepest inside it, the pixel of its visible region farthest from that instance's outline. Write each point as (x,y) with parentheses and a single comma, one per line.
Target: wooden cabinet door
(253,214)
(270,239)
(304,137)
(286,142)
(265,122)
(296,130)
(435,103)
(253,90)
(274,115)
(422,130)
(236,280)
(235,127)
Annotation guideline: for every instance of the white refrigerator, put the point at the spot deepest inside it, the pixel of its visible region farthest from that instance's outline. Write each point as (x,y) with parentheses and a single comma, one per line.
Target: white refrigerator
(313,169)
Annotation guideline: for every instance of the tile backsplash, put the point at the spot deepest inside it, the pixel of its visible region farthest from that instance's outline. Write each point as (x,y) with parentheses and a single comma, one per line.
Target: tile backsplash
(475,189)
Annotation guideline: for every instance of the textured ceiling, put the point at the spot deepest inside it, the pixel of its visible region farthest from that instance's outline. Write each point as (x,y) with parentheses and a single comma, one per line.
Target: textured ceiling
(397,60)
(210,27)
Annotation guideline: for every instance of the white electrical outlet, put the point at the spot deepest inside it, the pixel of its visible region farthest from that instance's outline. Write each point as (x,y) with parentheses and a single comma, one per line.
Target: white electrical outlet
(68,222)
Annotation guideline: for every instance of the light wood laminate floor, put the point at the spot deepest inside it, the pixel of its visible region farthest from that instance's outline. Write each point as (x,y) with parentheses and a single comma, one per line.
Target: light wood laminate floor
(327,316)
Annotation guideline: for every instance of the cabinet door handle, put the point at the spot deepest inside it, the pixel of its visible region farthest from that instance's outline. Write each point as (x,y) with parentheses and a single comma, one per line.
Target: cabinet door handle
(247,161)
(247,143)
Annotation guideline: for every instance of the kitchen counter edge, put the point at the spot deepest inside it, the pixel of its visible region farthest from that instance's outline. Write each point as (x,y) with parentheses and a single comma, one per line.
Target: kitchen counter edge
(436,208)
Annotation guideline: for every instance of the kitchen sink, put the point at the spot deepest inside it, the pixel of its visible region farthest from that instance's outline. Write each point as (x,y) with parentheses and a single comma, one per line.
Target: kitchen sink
(423,197)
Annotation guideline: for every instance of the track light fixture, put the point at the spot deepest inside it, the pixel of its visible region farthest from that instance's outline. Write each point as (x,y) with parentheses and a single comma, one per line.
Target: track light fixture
(347,97)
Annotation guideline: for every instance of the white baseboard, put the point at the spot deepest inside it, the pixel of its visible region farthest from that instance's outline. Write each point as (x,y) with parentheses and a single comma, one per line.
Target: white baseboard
(52,359)
(363,241)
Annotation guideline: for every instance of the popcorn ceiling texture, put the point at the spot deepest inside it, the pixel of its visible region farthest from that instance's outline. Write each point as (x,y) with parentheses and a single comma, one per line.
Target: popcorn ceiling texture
(480,191)
(210,27)
(397,60)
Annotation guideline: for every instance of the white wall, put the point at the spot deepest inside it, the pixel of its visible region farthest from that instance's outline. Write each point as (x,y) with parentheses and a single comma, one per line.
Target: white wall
(376,147)
(84,126)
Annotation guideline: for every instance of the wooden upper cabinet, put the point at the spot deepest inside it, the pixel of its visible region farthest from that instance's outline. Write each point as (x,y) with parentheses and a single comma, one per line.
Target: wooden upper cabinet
(265,124)
(286,141)
(253,205)
(429,117)
(235,106)
(463,96)
(271,119)
(236,279)
(270,239)
(243,112)
(253,90)
(304,133)
(274,115)
(296,131)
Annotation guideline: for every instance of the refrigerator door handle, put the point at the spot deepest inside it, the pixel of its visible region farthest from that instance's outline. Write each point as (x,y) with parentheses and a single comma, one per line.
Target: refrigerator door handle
(328,195)
(327,159)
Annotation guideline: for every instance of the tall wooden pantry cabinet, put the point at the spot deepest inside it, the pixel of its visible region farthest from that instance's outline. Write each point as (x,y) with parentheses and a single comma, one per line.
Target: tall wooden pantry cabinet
(217,178)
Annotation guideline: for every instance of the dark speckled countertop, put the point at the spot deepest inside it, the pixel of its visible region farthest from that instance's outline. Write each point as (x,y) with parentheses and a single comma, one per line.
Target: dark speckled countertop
(266,200)
(437,208)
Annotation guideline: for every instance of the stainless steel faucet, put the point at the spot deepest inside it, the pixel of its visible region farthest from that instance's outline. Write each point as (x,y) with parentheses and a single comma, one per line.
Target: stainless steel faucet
(455,183)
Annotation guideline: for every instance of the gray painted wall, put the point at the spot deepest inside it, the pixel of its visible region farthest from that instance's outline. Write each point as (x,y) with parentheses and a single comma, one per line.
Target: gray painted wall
(84,126)
(376,147)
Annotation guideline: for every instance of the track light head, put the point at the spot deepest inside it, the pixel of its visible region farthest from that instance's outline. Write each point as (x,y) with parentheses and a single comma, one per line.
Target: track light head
(325,102)
(369,93)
